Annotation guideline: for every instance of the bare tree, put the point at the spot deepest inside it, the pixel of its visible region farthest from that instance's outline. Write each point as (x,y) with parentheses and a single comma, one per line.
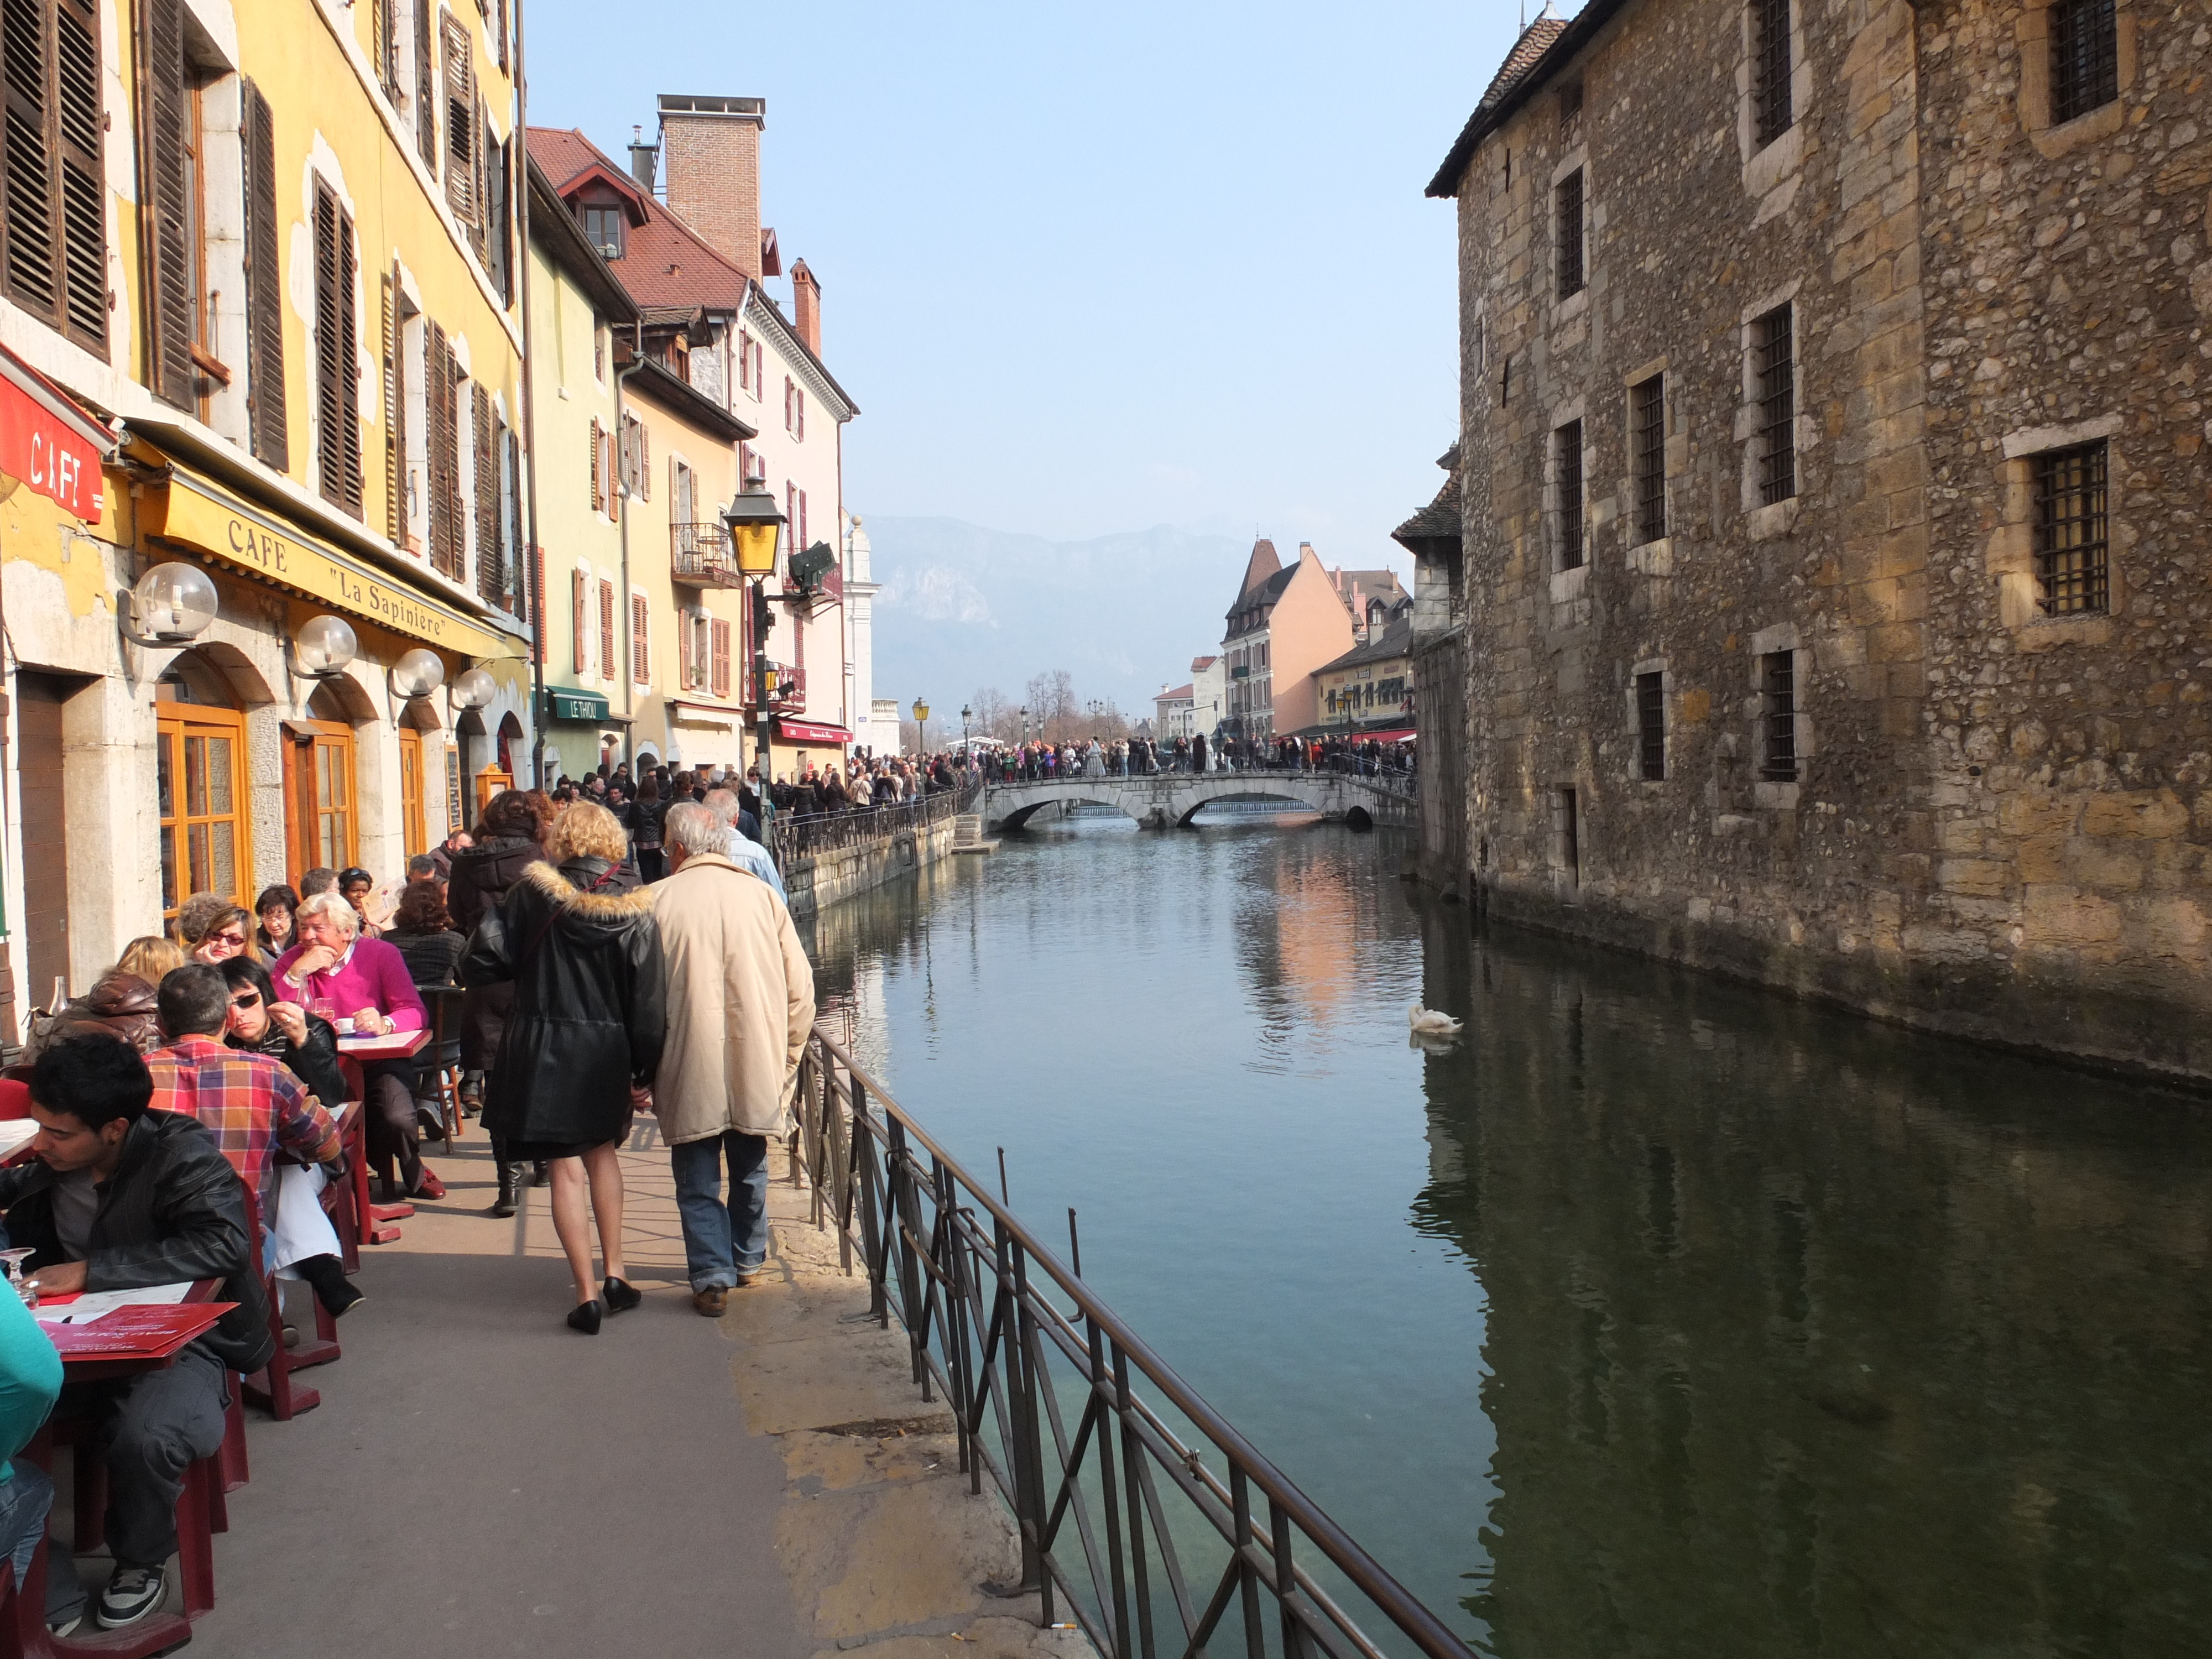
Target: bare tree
(1053,712)
(993,716)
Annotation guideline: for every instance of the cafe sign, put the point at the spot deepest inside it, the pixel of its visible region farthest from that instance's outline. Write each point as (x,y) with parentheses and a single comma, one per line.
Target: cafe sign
(207,517)
(51,447)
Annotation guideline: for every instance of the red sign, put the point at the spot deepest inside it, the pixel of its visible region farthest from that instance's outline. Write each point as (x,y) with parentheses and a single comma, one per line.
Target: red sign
(49,451)
(800,732)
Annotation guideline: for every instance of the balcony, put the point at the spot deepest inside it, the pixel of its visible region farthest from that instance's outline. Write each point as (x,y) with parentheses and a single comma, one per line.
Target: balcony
(701,555)
(789,697)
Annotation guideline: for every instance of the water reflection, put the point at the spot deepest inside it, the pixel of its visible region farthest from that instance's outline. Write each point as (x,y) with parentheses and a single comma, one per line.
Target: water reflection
(1652,1316)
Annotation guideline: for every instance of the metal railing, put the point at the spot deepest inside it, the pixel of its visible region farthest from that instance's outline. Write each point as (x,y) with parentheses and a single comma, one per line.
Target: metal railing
(797,836)
(1380,774)
(700,554)
(1150,1546)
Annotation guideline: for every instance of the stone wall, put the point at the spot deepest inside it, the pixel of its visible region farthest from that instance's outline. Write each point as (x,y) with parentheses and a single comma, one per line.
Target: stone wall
(1996,826)
(818,880)
(1440,715)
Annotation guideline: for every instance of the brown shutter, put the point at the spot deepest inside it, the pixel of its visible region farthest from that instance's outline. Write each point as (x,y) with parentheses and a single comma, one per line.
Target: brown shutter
(576,619)
(460,123)
(264,296)
(722,657)
(521,602)
(395,460)
(644,462)
(53,221)
(426,84)
(83,193)
(441,395)
(641,667)
(166,138)
(492,568)
(338,350)
(607,669)
(596,494)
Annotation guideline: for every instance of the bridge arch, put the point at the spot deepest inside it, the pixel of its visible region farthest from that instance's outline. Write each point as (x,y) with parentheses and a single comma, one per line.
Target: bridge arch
(1188,802)
(1013,809)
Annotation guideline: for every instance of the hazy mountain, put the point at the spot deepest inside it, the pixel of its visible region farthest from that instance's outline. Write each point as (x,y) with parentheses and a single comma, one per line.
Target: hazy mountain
(963,607)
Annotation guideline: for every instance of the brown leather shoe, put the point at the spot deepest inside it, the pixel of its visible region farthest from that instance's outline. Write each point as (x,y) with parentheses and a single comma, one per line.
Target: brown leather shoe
(710,1304)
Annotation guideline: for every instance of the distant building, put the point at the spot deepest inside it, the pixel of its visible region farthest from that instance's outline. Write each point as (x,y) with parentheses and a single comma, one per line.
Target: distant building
(1209,694)
(1285,624)
(1369,691)
(860,588)
(1171,716)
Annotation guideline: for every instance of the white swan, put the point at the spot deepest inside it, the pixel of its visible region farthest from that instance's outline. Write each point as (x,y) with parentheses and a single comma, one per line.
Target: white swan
(1426,1021)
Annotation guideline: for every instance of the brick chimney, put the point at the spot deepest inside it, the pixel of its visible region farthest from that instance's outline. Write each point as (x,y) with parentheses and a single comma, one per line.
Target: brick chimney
(710,152)
(806,306)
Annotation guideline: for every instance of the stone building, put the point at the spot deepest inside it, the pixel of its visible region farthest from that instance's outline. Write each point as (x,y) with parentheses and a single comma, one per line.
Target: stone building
(1833,486)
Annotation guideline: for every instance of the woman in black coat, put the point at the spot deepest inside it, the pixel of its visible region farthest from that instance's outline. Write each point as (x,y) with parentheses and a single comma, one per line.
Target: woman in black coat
(580,944)
(508,839)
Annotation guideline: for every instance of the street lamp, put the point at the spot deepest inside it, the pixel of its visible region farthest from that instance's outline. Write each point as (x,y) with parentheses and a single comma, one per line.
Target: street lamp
(755,526)
(1025,722)
(922,727)
(966,715)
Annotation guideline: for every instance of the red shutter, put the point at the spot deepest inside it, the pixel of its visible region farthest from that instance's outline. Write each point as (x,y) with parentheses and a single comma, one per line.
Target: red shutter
(722,657)
(576,604)
(607,669)
(640,658)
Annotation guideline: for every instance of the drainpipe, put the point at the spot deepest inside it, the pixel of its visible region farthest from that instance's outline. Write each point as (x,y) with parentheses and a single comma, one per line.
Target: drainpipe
(534,576)
(629,677)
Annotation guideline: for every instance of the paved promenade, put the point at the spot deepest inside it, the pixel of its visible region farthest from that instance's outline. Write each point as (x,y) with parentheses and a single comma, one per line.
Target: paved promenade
(480,1479)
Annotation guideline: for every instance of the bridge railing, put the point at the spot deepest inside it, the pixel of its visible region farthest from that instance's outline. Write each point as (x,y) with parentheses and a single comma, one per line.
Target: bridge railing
(804,835)
(1380,774)
(1143,1513)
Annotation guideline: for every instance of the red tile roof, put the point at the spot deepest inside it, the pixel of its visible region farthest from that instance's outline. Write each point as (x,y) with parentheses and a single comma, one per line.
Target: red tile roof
(665,262)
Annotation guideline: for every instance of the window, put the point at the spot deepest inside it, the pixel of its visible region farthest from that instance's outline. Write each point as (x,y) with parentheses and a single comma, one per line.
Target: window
(169,132)
(1506,383)
(492,584)
(2085,57)
(53,214)
(2072,574)
(337,401)
(606,629)
(441,402)
(1777,716)
(384,46)
(794,512)
(789,388)
(392,340)
(265,298)
(1776,368)
(1568,198)
(598,350)
(200,786)
(798,403)
(1772,112)
(1570,101)
(598,481)
(499,266)
(746,381)
(426,84)
(461,158)
(635,459)
(721,666)
(1567,474)
(1647,439)
(640,655)
(579,605)
(1651,727)
(603,228)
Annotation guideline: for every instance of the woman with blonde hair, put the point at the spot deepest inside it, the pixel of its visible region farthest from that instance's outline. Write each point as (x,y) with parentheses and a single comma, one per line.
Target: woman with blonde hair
(576,937)
(213,930)
(150,956)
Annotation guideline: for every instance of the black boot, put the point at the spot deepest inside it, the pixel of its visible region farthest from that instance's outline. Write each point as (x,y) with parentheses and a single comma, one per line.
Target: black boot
(327,1274)
(539,1175)
(510,1180)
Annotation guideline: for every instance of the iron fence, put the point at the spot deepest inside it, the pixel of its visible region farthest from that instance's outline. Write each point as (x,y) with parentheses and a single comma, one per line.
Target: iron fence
(1154,1524)
(804,835)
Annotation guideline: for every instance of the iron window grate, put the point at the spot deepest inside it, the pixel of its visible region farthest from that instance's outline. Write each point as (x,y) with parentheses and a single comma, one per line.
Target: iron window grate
(1651,726)
(1777,759)
(1771,112)
(2072,564)
(1777,368)
(2085,57)
(1569,197)
(1648,436)
(1567,468)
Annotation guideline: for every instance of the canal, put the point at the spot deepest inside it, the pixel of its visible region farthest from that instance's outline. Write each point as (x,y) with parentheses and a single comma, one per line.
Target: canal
(1655,1316)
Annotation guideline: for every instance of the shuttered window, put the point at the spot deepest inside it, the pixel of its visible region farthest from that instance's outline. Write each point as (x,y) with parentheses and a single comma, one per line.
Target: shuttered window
(640,655)
(519,599)
(442,415)
(598,484)
(168,132)
(491,562)
(576,603)
(395,451)
(264,296)
(685,673)
(337,352)
(606,629)
(461,123)
(426,84)
(721,634)
(499,235)
(53,220)
(383,45)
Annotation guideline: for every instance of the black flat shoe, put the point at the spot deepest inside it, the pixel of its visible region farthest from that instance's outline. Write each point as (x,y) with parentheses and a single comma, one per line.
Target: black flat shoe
(620,1295)
(585,1317)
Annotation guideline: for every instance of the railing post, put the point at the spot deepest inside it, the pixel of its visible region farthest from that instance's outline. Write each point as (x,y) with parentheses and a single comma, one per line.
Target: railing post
(1022,1415)
(1248,1579)
(1132,1452)
(871,1233)
(1286,1580)
(1117,1570)
(899,1218)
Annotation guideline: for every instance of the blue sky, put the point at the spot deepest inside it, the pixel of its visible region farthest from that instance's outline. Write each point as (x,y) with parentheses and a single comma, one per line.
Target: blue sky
(1090,270)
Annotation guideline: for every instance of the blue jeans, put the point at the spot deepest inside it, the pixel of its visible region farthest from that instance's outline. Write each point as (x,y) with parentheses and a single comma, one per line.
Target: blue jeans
(722,1240)
(26,1498)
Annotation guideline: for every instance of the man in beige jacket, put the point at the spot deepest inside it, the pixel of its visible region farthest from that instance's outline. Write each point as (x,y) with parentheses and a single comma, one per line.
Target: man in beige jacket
(740,1004)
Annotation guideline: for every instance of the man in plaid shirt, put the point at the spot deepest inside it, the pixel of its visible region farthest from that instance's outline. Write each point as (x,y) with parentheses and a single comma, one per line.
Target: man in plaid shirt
(248,1102)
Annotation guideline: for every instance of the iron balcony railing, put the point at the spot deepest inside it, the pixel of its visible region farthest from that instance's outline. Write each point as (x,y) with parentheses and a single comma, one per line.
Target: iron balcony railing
(1155,1525)
(702,557)
(790,693)
(797,836)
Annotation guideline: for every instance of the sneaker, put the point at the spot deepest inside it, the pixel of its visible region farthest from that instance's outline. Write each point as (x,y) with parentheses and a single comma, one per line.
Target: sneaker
(65,1625)
(710,1304)
(132,1594)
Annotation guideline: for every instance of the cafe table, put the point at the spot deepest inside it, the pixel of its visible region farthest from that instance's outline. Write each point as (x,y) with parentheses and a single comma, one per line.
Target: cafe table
(373,1219)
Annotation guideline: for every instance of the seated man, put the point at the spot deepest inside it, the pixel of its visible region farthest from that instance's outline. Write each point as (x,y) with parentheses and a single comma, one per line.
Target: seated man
(253,1105)
(116,1198)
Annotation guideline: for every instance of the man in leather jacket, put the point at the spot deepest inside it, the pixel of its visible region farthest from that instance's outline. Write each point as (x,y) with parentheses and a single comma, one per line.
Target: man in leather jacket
(119,1197)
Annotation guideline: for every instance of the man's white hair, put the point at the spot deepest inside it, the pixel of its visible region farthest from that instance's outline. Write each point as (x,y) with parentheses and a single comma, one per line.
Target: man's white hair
(693,828)
(724,805)
(335,906)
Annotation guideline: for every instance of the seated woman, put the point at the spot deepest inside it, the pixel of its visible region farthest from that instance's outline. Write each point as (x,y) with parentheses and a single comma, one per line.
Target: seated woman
(362,985)
(422,932)
(373,909)
(121,1001)
(213,930)
(274,907)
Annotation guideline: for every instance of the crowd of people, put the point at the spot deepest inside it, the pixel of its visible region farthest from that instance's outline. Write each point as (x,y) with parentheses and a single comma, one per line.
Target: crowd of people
(638,802)
(612,950)
(1140,756)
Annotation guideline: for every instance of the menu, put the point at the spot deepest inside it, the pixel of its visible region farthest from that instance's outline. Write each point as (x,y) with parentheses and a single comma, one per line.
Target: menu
(141,1331)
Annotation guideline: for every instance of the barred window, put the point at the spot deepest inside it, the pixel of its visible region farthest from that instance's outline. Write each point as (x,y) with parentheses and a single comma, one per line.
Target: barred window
(1774,361)
(1647,421)
(1567,470)
(1569,200)
(1777,716)
(2085,57)
(1651,727)
(2072,574)
(1772,112)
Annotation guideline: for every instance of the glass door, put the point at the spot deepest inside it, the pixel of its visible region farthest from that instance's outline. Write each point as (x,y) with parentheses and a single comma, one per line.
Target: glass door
(200,789)
(411,832)
(321,830)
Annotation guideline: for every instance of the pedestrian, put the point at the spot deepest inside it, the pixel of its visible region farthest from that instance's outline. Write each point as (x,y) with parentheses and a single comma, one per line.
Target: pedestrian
(576,937)
(740,1004)
(645,831)
(508,840)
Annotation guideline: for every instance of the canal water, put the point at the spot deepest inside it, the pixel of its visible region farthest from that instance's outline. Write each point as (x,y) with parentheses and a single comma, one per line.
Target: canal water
(1654,1316)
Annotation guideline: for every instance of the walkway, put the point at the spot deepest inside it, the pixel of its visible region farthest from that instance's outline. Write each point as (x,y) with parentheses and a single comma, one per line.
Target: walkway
(480,1480)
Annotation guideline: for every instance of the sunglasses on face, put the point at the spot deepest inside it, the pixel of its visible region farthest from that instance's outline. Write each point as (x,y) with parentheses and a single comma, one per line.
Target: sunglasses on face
(246,1000)
(236,941)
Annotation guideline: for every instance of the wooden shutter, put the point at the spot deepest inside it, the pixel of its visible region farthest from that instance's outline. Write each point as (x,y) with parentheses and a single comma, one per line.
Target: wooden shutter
(441,402)
(338,350)
(53,220)
(641,667)
(607,670)
(520,601)
(491,567)
(460,123)
(395,457)
(721,633)
(383,26)
(264,296)
(479,228)
(166,136)
(598,492)
(644,462)
(426,85)
(799,397)
(576,602)
(499,236)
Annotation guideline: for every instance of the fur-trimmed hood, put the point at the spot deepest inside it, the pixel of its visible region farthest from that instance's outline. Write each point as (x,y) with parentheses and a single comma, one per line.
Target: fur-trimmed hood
(592,891)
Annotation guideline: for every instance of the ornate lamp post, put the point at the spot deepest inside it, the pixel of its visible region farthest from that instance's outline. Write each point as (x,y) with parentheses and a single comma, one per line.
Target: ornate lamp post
(966,715)
(755,527)
(922,728)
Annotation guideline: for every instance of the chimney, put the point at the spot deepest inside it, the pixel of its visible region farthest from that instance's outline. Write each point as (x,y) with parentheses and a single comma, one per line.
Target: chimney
(806,306)
(642,156)
(712,152)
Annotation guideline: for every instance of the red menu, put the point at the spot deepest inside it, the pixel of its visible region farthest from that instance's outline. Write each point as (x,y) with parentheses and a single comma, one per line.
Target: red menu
(143,1331)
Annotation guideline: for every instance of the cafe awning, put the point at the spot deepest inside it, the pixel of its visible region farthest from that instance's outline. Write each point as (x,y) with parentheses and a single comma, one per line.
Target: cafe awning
(49,443)
(1403,734)
(197,513)
(705,714)
(565,704)
(801,731)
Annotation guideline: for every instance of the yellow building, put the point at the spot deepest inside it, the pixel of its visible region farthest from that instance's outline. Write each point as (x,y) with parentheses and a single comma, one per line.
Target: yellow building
(1369,691)
(273,246)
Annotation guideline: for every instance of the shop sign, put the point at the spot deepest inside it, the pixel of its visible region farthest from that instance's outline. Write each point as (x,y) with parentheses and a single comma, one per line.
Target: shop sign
(49,453)
(576,705)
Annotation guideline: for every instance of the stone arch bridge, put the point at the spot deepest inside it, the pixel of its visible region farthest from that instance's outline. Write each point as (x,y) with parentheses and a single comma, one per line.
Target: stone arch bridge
(1173,798)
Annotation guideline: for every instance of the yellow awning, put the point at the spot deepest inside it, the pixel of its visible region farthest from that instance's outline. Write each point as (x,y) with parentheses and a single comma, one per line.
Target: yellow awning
(203,515)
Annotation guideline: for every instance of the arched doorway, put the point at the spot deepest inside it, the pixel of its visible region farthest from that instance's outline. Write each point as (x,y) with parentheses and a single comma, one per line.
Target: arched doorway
(322,816)
(206,833)
(416,792)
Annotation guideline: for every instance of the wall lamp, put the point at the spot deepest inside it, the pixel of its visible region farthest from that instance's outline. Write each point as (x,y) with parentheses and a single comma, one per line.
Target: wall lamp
(171,605)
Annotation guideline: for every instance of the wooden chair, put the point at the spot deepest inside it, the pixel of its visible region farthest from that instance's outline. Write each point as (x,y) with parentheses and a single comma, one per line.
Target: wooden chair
(271,1388)
(441,1060)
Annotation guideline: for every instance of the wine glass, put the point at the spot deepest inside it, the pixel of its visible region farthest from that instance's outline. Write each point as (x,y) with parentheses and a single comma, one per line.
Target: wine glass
(26,1289)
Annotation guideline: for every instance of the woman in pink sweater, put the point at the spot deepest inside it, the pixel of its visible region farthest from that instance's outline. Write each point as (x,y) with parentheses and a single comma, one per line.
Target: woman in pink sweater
(367,985)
